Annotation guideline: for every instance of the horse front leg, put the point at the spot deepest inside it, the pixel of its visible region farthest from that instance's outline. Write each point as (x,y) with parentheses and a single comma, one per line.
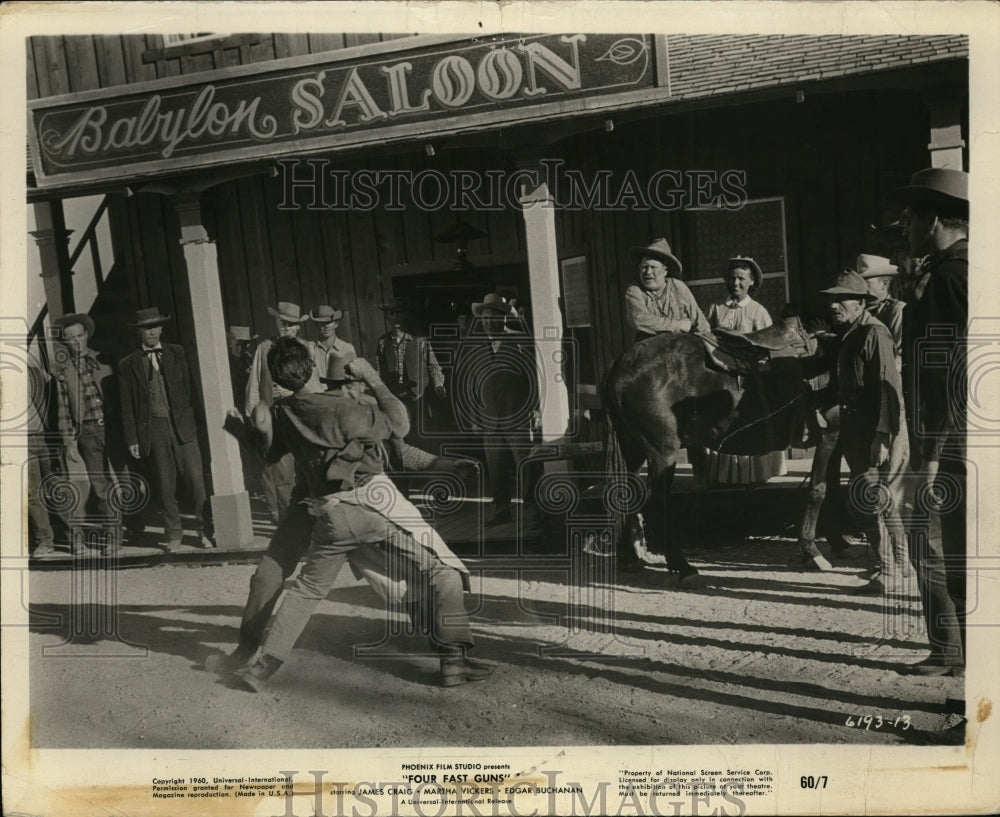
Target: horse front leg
(818,480)
(659,533)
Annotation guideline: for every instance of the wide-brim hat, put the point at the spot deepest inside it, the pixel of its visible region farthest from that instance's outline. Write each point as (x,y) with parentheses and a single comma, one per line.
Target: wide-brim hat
(81,318)
(659,249)
(336,371)
(149,317)
(936,185)
(241,333)
(750,264)
(325,314)
(875,266)
(494,302)
(851,285)
(393,304)
(290,313)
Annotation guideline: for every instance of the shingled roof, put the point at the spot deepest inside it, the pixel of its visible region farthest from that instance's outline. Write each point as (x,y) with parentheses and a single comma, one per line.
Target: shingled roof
(716,64)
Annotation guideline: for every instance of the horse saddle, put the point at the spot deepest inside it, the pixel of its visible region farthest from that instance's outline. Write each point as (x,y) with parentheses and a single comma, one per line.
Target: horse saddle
(778,337)
(732,359)
(751,353)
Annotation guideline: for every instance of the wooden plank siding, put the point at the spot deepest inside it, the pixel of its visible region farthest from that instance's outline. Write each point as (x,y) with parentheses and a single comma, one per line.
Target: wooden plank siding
(832,176)
(63,64)
(811,159)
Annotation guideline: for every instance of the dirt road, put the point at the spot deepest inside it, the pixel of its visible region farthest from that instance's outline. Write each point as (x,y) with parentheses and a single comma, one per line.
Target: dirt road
(764,652)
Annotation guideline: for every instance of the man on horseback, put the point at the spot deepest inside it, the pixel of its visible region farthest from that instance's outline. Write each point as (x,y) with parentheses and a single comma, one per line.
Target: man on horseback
(661,302)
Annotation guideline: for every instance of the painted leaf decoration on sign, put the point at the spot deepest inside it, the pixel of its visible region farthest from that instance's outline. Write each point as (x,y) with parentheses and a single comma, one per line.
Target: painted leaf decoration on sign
(624,51)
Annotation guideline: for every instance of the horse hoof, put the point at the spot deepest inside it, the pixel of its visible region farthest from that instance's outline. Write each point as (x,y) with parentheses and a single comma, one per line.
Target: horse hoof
(689,579)
(821,563)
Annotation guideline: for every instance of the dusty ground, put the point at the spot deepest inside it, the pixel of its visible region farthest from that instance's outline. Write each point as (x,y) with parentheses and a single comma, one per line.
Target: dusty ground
(765,652)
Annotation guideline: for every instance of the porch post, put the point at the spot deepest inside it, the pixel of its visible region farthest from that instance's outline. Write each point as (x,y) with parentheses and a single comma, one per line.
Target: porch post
(230,500)
(946,145)
(52,239)
(538,210)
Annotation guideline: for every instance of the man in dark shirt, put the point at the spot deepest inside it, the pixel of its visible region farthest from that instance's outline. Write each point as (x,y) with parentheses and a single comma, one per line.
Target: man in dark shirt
(935,333)
(336,443)
(496,394)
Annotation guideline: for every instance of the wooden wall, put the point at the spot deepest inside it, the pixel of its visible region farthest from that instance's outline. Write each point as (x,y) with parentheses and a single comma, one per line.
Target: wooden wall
(834,159)
(66,64)
(351,259)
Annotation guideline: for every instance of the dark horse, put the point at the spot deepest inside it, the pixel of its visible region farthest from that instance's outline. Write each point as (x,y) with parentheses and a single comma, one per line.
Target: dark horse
(675,391)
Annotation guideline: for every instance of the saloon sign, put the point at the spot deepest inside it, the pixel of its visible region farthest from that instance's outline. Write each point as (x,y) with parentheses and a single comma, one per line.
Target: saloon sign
(277,108)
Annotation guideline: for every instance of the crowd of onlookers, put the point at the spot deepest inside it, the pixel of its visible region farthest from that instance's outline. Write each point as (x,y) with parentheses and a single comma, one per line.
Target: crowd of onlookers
(897,391)
(100,424)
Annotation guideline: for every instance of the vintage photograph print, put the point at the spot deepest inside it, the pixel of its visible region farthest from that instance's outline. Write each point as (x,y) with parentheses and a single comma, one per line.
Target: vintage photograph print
(505,409)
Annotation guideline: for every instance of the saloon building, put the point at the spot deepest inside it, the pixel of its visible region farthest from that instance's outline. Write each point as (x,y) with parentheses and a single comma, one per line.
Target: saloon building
(215,175)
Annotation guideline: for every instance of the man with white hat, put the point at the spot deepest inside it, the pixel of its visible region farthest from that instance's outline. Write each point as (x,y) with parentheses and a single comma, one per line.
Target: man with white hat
(872,424)
(879,273)
(329,345)
(277,478)
(158,415)
(661,302)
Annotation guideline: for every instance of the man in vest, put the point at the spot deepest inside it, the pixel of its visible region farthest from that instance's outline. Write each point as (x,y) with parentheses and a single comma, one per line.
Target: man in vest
(158,415)
(277,478)
(407,364)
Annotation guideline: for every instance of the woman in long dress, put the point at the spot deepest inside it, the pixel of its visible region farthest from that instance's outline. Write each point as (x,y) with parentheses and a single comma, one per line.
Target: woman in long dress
(741,313)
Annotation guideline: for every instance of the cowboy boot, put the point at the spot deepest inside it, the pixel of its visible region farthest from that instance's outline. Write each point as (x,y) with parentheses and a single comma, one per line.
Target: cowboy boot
(254,677)
(456,669)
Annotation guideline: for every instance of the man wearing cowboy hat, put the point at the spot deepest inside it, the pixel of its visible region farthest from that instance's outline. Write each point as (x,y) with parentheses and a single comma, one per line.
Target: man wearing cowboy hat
(159,420)
(879,274)
(81,377)
(496,394)
(407,364)
(935,220)
(240,357)
(329,345)
(661,302)
(277,478)
(872,425)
